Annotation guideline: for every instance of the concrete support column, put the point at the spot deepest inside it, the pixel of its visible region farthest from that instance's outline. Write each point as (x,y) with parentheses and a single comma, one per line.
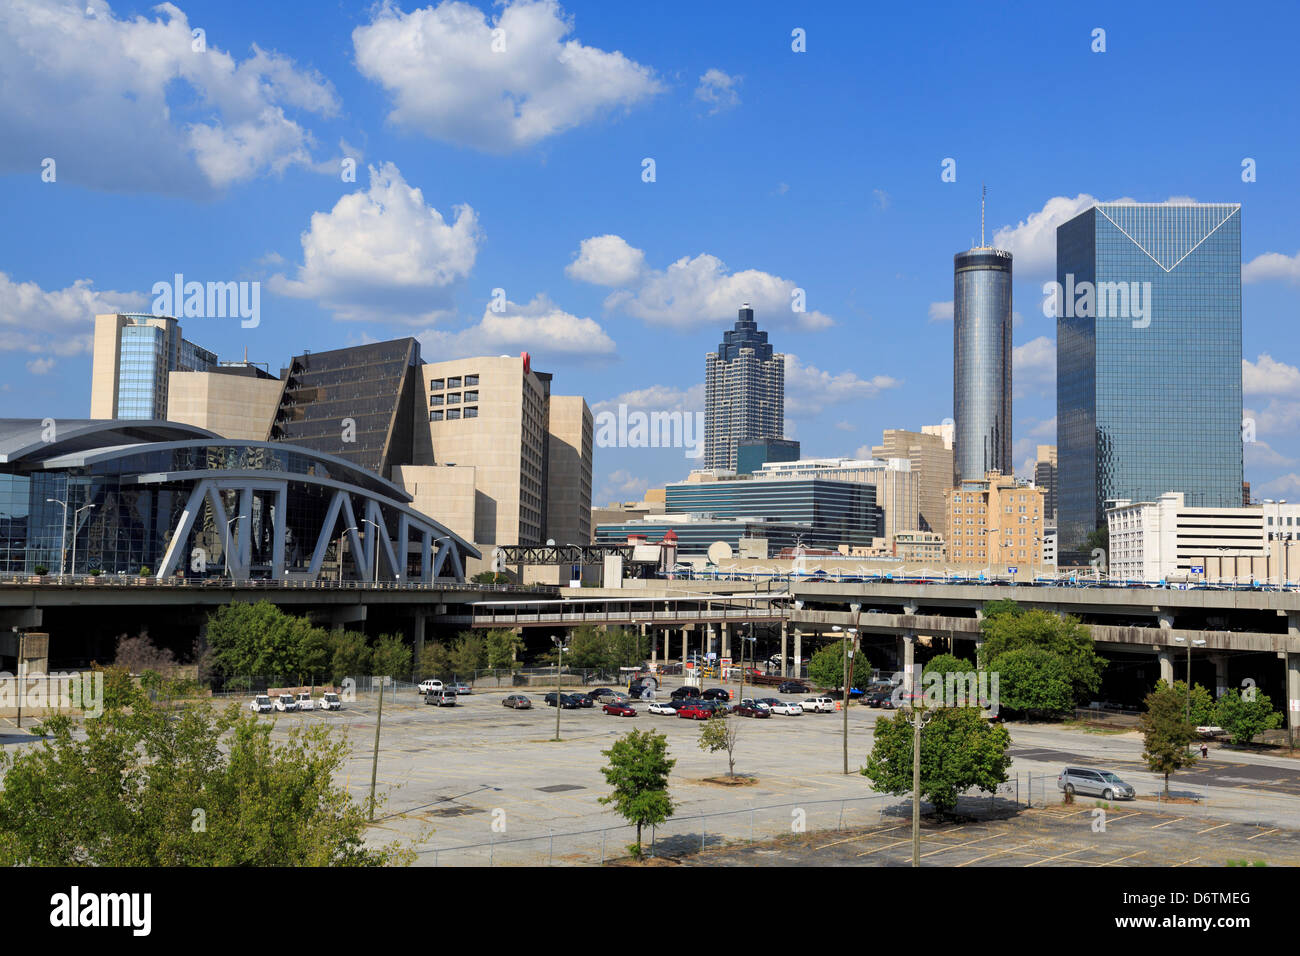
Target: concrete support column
(706,645)
(979,649)
(654,647)
(797,666)
(419,639)
(726,640)
(684,633)
(1220,674)
(668,634)
(785,662)
(1166,657)
(1292,663)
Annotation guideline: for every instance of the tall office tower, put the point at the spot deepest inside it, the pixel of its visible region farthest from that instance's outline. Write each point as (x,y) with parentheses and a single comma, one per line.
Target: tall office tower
(354,403)
(744,392)
(981,370)
(1148,359)
(133,353)
(1045,478)
(931,457)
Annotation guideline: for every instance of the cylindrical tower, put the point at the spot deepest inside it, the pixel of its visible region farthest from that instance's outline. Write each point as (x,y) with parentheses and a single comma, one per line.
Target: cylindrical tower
(981,373)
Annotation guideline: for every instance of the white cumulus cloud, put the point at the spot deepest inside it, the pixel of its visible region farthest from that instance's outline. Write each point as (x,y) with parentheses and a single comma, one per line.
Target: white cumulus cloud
(1033,367)
(1267,376)
(539,327)
(656,398)
(808,389)
(691,292)
(1272,265)
(129,105)
(719,90)
(60,321)
(384,254)
(496,86)
(941,311)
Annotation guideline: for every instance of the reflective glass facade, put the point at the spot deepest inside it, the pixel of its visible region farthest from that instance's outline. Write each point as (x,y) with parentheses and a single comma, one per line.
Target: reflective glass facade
(1148,403)
(981,375)
(149,347)
(834,512)
(357,403)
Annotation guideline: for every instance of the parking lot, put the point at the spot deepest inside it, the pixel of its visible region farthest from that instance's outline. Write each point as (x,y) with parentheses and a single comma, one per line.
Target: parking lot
(479,783)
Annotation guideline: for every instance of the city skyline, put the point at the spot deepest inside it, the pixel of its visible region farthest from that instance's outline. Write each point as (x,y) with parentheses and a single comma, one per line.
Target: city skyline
(622,288)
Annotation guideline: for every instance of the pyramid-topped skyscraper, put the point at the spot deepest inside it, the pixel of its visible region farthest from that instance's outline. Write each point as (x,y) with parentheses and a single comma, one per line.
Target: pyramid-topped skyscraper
(744,392)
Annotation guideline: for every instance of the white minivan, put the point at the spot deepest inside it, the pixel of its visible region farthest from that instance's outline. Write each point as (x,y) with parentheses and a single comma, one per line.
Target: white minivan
(818,705)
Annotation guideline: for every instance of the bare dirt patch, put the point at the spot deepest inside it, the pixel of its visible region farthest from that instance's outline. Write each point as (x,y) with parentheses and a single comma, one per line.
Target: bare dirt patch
(737,781)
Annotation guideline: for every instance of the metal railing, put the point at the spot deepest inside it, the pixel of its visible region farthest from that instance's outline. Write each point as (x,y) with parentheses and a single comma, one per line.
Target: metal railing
(131,580)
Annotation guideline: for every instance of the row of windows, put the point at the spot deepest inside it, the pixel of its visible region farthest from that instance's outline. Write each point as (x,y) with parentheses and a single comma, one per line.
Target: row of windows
(453,398)
(453,414)
(438,384)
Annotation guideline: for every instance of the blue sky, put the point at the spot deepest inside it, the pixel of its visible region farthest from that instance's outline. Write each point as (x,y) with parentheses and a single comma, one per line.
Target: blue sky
(520,168)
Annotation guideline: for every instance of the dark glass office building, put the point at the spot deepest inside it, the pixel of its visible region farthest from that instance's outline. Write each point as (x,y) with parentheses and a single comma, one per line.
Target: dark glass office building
(1148,358)
(981,371)
(753,455)
(831,512)
(357,403)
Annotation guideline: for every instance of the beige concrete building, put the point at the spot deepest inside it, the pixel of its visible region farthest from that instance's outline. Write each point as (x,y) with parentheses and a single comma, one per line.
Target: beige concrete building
(529,453)
(931,458)
(568,497)
(132,356)
(617,512)
(235,401)
(995,522)
(919,547)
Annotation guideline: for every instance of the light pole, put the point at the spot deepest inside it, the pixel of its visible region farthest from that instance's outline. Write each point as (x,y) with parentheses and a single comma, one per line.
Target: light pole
(743,640)
(75,515)
(227,548)
(375,548)
(558,641)
(848,674)
(63,534)
(798,670)
(1198,643)
(919,720)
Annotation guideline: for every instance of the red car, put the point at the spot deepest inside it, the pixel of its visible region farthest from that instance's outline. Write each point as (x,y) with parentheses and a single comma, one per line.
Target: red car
(619,710)
(695,712)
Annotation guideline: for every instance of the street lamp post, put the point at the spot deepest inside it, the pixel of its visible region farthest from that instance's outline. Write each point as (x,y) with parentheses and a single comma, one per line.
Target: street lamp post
(848,675)
(63,535)
(375,548)
(750,639)
(227,548)
(919,720)
(1198,643)
(74,535)
(558,641)
(341,534)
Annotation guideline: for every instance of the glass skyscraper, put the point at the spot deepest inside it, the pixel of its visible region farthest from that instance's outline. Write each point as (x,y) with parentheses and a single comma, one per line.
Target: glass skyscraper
(981,372)
(133,353)
(744,392)
(1148,358)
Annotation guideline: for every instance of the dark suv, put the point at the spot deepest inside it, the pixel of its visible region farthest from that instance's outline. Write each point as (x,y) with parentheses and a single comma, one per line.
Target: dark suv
(793,687)
(683,692)
(716,693)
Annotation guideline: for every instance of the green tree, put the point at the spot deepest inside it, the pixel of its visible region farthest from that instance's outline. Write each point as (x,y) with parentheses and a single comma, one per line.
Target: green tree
(721,733)
(154,786)
(1098,540)
(491,577)
(351,655)
(1243,718)
(435,662)
(503,647)
(1033,680)
(947,664)
(1202,705)
(638,773)
(390,657)
(590,648)
(1008,627)
(315,652)
(468,654)
(630,648)
(255,639)
(826,666)
(1166,732)
(959,750)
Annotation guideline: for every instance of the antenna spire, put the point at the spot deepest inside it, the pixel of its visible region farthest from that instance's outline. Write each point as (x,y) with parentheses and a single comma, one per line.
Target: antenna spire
(984,192)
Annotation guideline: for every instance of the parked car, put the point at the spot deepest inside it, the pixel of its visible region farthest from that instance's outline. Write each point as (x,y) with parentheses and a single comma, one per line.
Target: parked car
(429,686)
(442,698)
(583,700)
(883,699)
(749,708)
(600,693)
(331,701)
(460,687)
(695,710)
(261,704)
(818,705)
(683,692)
(787,708)
(793,687)
(667,707)
(517,702)
(716,693)
(304,701)
(1098,783)
(619,710)
(566,701)
(286,704)
(638,685)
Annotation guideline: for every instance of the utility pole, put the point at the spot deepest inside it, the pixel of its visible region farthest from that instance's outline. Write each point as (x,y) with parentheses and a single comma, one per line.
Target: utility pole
(374,763)
(20,678)
(558,641)
(848,676)
(919,720)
